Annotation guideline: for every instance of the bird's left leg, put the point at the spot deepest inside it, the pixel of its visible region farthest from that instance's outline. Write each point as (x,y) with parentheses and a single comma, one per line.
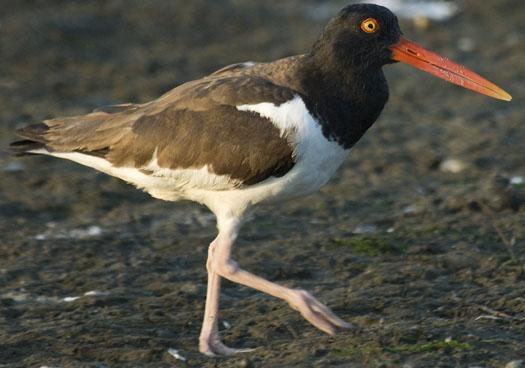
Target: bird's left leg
(310,308)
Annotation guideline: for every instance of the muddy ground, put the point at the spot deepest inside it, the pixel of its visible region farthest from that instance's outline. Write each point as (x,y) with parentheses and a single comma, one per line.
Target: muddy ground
(419,240)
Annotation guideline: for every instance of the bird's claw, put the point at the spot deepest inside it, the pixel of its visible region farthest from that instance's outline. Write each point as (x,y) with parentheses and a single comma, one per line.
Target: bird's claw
(213,346)
(317,313)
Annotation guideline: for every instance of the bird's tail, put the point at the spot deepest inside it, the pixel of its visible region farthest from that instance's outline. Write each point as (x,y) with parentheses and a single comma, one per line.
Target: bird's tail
(33,140)
(90,134)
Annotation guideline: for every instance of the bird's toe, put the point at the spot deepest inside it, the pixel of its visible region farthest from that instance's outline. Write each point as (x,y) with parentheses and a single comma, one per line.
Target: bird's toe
(317,313)
(214,347)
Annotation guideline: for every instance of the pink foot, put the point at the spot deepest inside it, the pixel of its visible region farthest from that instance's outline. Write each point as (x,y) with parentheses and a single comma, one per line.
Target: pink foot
(212,346)
(317,313)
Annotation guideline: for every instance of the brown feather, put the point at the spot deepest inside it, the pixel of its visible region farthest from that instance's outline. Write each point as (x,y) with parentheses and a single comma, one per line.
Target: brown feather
(193,125)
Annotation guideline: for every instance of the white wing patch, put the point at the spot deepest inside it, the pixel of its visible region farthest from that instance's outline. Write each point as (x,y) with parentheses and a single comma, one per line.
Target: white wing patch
(201,178)
(163,183)
(295,123)
(287,117)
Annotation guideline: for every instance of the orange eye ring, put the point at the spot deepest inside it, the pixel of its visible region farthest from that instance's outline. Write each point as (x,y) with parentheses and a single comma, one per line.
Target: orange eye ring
(370,25)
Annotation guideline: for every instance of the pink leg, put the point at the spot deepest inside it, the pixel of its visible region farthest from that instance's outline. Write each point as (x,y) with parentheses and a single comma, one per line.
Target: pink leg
(209,340)
(310,308)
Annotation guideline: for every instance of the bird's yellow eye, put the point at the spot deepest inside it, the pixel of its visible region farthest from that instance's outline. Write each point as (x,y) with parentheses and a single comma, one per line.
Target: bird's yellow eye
(369,25)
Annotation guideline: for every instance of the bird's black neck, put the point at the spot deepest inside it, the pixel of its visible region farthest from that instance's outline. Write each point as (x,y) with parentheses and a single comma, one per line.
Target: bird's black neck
(345,99)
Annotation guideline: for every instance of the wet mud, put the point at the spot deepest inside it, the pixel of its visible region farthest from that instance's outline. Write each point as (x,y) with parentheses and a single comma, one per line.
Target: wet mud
(419,240)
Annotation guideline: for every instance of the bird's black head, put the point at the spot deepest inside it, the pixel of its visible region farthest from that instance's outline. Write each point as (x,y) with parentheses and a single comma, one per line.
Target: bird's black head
(342,76)
(364,37)
(359,37)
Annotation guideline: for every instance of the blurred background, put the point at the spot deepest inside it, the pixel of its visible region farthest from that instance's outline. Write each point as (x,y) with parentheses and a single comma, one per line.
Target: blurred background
(419,240)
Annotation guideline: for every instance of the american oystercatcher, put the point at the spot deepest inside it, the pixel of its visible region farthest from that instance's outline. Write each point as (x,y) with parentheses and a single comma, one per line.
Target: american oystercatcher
(252,133)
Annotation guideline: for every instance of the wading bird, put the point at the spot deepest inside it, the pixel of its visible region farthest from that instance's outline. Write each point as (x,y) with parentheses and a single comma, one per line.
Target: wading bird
(252,133)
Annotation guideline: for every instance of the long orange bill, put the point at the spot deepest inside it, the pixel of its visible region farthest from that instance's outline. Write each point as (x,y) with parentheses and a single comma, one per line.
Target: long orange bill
(413,54)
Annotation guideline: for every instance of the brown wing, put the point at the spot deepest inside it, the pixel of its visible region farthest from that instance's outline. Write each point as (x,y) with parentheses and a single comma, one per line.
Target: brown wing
(233,68)
(195,124)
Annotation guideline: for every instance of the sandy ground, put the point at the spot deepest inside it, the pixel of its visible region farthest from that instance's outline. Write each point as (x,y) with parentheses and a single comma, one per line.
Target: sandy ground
(419,240)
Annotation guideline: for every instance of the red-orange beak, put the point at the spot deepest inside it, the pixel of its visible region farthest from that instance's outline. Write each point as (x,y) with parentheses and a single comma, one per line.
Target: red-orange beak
(411,53)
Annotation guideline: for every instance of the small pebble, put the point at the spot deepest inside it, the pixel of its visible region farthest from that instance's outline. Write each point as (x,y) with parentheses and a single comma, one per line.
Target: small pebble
(69,299)
(452,165)
(96,293)
(515,364)
(56,233)
(175,353)
(517,180)
(409,210)
(91,231)
(14,166)
(41,237)
(244,363)
(365,229)
(466,44)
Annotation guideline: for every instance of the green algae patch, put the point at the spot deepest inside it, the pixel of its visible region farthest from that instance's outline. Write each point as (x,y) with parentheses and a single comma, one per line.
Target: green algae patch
(370,246)
(432,346)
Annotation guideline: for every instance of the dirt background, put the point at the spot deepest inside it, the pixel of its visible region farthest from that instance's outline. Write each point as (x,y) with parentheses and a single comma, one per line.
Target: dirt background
(428,263)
